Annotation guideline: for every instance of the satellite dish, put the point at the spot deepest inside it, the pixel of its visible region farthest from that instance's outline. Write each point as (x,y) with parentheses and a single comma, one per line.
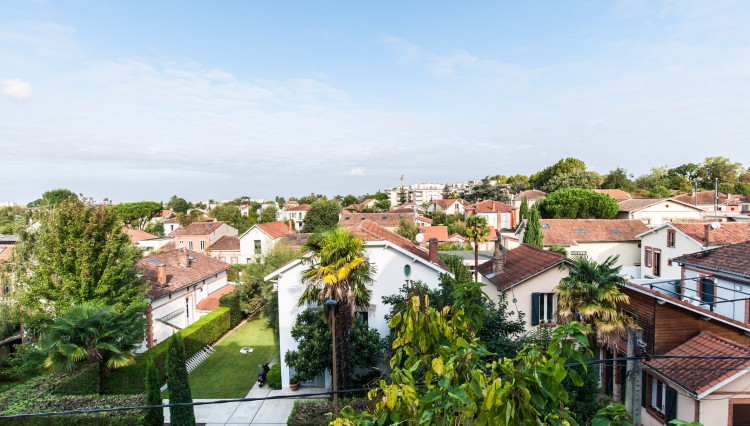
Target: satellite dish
(420,238)
(715,225)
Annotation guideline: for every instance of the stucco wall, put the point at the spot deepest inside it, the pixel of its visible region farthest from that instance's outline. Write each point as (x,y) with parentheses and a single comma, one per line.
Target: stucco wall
(247,245)
(725,290)
(683,245)
(665,212)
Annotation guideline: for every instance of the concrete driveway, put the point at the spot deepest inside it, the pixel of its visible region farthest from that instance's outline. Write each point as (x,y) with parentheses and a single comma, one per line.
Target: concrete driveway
(269,412)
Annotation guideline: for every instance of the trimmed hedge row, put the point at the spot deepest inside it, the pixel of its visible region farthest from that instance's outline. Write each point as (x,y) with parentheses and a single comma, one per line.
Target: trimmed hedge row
(232,301)
(205,331)
(274,377)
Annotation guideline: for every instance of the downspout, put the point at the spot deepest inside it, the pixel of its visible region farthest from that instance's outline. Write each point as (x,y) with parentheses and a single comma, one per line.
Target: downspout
(700,411)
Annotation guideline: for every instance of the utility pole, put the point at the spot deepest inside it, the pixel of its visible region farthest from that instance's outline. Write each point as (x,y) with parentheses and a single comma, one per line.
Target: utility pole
(633,388)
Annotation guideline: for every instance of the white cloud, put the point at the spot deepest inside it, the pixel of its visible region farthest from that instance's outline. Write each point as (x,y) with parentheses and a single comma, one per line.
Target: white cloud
(357,171)
(16,89)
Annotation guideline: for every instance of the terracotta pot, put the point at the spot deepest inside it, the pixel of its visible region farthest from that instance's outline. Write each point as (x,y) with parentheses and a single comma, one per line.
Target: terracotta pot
(294,386)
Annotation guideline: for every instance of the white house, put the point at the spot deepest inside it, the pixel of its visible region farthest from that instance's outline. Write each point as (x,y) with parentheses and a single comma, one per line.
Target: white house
(179,280)
(259,240)
(170,225)
(532,197)
(657,211)
(396,260)
(200,236)
(498,215)
(661,244)
(455,206)
(295,213)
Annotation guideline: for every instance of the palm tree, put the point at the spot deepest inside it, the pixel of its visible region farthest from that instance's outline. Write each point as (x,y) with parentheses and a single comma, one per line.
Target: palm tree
(338,270)
(477,232)
(92,334)
(591,291)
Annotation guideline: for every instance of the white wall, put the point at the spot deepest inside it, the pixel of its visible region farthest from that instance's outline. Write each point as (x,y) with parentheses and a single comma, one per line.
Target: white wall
(664,212)
(389,264)
(725,290)
(628,251)
(247,245)
(658,239)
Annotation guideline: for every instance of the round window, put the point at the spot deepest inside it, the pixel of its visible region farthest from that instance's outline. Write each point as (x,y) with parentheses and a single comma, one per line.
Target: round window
(407,270)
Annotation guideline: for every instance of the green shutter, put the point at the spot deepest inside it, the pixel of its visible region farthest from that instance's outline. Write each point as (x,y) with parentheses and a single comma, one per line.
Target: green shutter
(534,308)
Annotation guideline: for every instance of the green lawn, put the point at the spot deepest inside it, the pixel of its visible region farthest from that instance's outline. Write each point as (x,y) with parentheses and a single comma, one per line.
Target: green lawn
(228,373)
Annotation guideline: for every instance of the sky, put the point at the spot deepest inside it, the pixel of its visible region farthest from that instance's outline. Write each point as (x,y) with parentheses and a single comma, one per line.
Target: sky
(140,100)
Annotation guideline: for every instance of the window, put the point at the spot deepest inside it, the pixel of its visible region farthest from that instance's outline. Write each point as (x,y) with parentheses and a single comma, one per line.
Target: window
(407,270)
(647,257)
(203,245)
(234,261)
(190,245)
(656,270)
(257,246)
(182,244)
(543,307)
(708,291)
(671,236)
(658,396)
(363,317)
(577,254)
(6,287)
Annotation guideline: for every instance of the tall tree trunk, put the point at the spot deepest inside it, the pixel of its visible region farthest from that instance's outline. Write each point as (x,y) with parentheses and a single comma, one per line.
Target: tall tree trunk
(343,326)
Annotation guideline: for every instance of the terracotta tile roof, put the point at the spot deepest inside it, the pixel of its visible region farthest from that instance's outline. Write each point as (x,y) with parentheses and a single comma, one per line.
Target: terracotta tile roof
(439,232)
(707,198)
(136,235)
(569,232)
(636,204)
(198,228)
(456,237)
(275,229)
(734,259)
(201,267)
(490,206)
(367,230)
(388,220)
(617,194)
(168,246)
(445,203)
(295,241)
(531,194)
(424,219)
(211,302)
(226,243)
(165,213)
(6,250)
(728,232)
(301,207)
(402,210)
(521,263)
(700,375)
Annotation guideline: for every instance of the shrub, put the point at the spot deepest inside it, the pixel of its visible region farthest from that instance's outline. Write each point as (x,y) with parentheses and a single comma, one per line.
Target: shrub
(232,301)
(319,412)
(82,382)
(153,416)
(205,331)
(274,377)
(179,386)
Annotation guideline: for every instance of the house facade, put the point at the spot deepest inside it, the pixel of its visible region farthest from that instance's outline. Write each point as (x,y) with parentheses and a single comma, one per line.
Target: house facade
(396,260)
(226,249)
(657,211)
(532,196)
(295,213)
(498,215)
(454,206)
(200,236)
(260,240)
(388,220)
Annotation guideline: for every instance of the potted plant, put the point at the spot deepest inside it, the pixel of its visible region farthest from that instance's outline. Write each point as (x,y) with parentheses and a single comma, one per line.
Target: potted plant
(294,383)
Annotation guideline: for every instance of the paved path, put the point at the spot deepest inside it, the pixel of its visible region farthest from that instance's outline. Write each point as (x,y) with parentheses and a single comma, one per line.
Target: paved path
(269,412)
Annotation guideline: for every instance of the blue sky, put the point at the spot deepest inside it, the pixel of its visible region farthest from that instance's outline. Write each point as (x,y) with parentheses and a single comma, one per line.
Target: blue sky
(142,100)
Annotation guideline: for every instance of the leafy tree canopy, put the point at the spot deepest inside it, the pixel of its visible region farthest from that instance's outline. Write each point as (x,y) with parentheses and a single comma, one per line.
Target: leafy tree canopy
(408,229)
(322,216)
(138,214)
(575,203)
(268,214)
(618,179)
(562,167)
(178,205)
(53,198)
(232,215)
(349,200)
(578,179)
(721,168)
(13,219)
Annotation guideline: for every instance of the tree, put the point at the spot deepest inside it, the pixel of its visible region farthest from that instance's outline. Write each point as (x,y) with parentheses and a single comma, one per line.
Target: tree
(349,200)
(408,230)
(562,167)
(578,179)
(720,168)
(533,235)
(575,203)
(524,209)
(618,179)
(178,205)
(518,183)
(232,215)
(138,214)
(322,216)
(185,219)
(338,270)
(268,214)
(79,254)
(591,292)
(382,205)
(178,384)
(92,334)
(12,219)
(154,416)
(477,232)
(402,197)
(652,183)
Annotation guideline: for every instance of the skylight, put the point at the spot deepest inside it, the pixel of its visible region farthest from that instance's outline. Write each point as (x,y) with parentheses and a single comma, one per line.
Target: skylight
(581,231)
(155,262)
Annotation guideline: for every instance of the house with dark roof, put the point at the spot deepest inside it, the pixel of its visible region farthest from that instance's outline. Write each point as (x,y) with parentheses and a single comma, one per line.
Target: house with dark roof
(662,244)
(178,281)
(657,211)
(260,240)
(527,276)
(396,261)
(594,238)
(200,236)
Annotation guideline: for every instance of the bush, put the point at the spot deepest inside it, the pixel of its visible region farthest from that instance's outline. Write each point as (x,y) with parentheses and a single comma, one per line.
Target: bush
(205,331)
(274,377)
(82,382)
(319,412)
(232,301)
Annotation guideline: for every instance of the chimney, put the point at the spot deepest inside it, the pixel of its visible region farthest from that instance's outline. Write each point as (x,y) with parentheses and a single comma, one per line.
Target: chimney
(498,258)
(433,246)
(161,275)
(183,258)
(710,237)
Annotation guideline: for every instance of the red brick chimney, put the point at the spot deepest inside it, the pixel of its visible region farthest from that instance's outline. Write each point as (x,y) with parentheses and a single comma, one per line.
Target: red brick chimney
(498,258)
(161,275)
(710,237)
(183,258)
(433,246)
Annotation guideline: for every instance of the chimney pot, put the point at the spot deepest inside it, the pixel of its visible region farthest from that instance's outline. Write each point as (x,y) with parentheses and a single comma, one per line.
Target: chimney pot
(433,247)
(161,275)
(710,237)
(498,258)
(184,258)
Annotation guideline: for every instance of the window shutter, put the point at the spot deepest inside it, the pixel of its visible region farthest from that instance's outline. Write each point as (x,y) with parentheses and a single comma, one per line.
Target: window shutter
(670,409)
(534,308)
(644,390)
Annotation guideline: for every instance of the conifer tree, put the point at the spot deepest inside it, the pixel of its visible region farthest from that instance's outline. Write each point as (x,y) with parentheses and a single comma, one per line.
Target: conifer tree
(524,210)
(154,416)
(177,381)
(533,235)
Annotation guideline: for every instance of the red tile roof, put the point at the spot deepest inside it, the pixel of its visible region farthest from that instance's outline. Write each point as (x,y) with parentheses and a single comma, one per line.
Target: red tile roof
(367,230)
(439,232)
(636,204)
(211,302)
(294,241)
(521,263)
(569,232)
(424,219)
(700,375)
(6,250)
(734,259)
(201,267)
(388,220)
(489,206)
(226,243)
(707,198)
(198,228)
(165,213)
(136,235)
(445,203)
(457,237)
(301,207)
(728,232)
(275,229)
(531,194)
(617,194)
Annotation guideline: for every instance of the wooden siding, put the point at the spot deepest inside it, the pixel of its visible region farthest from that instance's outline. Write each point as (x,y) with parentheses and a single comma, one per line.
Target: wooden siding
(642,307)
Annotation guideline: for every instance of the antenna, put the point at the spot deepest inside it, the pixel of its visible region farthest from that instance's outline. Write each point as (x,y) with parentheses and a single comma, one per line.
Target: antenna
(420,238)
(715,225)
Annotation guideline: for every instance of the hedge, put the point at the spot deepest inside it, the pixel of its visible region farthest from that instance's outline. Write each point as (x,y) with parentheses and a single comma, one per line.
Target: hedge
(205,331)
(232,301)
(274,377)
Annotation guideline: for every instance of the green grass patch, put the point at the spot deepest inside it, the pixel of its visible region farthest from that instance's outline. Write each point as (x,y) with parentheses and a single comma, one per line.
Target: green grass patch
(228,373)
